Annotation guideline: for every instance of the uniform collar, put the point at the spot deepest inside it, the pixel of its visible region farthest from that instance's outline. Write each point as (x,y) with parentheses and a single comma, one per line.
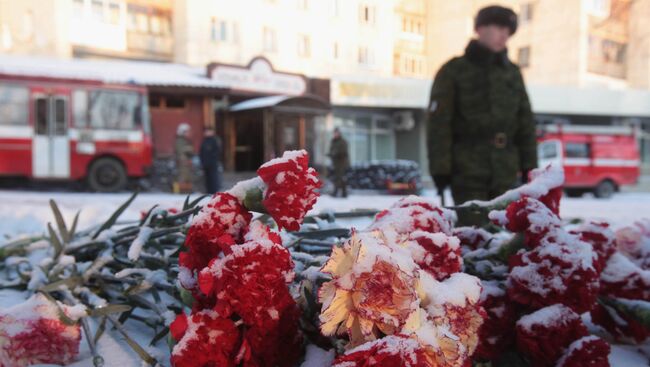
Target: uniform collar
(481,55)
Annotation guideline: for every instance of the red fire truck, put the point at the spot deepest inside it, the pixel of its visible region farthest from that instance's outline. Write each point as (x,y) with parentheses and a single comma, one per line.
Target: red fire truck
(67,129)
(598,159)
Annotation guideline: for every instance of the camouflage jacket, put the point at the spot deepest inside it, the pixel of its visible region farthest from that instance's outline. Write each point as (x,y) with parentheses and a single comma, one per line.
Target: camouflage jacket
(339,153)
(480,129)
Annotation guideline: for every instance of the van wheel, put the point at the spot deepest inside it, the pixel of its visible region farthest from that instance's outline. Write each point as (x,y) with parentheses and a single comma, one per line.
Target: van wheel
(574,193)
(605,189)
(107,175)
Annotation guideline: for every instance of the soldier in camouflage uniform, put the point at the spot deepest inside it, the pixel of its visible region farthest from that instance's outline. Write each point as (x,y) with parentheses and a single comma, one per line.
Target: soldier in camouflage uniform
(481,132)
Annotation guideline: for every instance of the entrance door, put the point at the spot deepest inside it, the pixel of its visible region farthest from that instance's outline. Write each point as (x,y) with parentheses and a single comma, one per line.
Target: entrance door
(51,145)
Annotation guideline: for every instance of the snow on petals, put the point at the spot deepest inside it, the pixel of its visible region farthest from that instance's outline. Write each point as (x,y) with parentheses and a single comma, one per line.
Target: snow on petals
(33,333)
(291,188)
(391,351)
(414,213)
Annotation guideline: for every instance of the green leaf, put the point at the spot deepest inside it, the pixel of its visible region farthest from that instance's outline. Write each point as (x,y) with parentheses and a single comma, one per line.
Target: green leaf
(133,344)
(194,202)
(113,218)
(60,222)
(110,309)
(62,316)
(163,333)
(73,227)
(54,239)
(186,203)
(70,283)
(511,248)
(100,330)
(144,219)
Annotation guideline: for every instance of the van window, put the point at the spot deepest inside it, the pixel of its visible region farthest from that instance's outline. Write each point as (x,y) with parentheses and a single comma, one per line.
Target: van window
(548,150)
(114,110)
(80,108)
(576,150)
(14,102)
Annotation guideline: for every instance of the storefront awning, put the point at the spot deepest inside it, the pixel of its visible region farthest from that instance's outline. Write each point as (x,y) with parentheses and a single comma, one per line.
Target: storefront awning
(289,104)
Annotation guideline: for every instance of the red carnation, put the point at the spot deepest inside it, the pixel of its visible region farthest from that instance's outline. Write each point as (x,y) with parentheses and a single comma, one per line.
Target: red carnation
(549,178)
(251,282)
(291,188)
(440,255)
(280,346)
(590,351)
(205,339)
(390,351)
(414,213)
(498,330)
(529,216)
(32,333)
(623,278)
(601,238)
(555,272)
(544,335)
(219,224)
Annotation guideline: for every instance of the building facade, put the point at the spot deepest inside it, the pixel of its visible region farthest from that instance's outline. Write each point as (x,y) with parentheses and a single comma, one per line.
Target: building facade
(369,63)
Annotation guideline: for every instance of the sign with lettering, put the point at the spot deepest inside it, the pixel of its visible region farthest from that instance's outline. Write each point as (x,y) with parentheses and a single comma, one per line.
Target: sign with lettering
(258,77)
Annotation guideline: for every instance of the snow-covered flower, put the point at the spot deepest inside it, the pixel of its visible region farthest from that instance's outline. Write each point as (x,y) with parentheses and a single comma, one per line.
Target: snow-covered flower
(559,270)
(498,330)
(414,213)
(601,238)
(437,253)
(390,351)
(221,223)
(372,291)
(625,279)
(552,198)
(620,325)
(32,332)
(251,281)
(290,188)
(453,315)
(544,335)
(589,351)
(205,339)
(529,216)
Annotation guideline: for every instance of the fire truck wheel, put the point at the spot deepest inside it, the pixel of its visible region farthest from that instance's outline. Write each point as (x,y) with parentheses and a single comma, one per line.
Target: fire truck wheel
(605,189)
(106,175)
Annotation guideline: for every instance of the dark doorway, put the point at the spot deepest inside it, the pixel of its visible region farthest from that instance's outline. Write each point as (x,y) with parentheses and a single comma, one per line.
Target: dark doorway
(249,151)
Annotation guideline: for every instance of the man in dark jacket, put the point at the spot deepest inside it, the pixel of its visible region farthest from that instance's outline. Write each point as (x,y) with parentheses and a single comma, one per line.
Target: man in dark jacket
(481,133)
(340,162)
(210,155)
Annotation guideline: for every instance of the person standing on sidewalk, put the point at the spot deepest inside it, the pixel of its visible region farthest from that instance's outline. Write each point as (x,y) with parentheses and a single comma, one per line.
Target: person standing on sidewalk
(481,132)
(210,155)
(184,152)
(340,162)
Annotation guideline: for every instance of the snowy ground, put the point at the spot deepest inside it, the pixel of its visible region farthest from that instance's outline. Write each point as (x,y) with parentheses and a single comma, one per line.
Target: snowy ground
(27,213)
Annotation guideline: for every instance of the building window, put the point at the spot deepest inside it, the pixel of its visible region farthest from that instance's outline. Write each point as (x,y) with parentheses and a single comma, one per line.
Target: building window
(526,13)
(270,40)
(97,10)
(367,14)
(223,31)
(365,56)
(304,46)
(113,13)
(523,57)
(78,9)
(335,7)
(599,8)
(335,51)
(303,4)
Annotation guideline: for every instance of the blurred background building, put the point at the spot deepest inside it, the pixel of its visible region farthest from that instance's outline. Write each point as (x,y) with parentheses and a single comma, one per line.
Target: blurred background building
(281,74)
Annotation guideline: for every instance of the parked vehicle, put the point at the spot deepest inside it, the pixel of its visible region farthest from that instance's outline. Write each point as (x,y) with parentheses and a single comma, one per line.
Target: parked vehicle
(598,159)
(63,129)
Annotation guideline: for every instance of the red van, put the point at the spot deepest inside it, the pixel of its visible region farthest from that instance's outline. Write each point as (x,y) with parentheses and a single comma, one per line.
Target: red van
(598,159)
